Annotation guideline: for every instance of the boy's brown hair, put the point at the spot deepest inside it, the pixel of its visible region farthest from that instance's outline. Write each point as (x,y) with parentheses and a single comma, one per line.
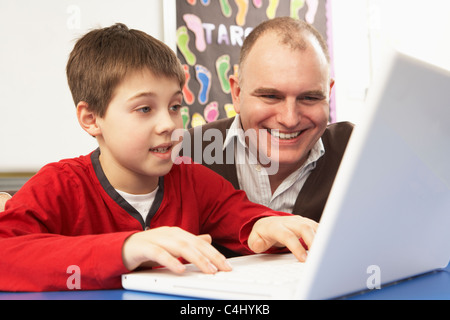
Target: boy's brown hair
(103,57)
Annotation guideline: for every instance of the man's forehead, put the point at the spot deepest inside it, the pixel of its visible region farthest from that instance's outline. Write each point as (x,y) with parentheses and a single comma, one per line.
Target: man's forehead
(271,39)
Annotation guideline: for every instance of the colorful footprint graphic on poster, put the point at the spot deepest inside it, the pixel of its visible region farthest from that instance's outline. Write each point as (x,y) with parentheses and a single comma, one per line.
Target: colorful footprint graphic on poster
(188,95)
(272,8)
(296,6)
(192,2)
(226,8)
(194,24)
(313,5)
(204,78)
(211,112)
(241,16)
(229,110)
(185,116)
(197,120)
(257,3)
(183,45)
(222,68)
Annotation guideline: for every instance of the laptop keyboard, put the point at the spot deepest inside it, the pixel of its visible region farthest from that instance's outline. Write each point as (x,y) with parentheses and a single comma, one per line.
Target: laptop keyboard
(277,274)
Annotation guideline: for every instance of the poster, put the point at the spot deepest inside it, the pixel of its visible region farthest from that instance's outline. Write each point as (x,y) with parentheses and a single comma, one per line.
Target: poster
(210,34)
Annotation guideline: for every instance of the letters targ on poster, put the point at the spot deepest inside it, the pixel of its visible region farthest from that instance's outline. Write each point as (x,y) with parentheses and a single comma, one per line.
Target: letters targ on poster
(210,34)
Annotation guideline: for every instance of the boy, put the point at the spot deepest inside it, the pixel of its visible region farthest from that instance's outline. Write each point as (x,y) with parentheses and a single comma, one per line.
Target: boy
(126,205)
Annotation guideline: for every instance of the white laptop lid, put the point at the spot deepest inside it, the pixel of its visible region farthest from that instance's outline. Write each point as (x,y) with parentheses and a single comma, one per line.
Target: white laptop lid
(388,215)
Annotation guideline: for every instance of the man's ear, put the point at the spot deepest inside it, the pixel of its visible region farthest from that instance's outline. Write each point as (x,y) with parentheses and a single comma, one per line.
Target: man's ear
(87,119)
(235,93)
(331,85)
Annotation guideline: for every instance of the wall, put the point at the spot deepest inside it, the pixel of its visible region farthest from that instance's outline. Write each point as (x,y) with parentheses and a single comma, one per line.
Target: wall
(364,29)
(37,115)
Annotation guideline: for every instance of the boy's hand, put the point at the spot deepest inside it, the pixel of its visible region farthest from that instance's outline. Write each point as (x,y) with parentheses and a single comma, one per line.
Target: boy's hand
(163,246)
(283,232)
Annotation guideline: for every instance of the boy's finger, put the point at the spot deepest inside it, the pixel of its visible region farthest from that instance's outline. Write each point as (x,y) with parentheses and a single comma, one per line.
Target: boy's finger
(200,260)
(199,251)
(303,232)
(164,258)
(308,237)
(300,246)
(295,246)
(217,261)
(258,245)
(205,237)
(194,249)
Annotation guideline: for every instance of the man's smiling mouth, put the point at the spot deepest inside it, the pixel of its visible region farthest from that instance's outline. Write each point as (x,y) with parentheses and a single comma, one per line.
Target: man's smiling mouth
(284,136)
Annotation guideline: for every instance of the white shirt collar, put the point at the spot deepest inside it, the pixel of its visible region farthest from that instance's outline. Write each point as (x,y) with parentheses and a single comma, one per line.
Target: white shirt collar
(235,130)
(254,180)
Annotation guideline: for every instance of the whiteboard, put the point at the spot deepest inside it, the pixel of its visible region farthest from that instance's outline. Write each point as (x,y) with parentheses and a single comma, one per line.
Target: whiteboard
(38,121)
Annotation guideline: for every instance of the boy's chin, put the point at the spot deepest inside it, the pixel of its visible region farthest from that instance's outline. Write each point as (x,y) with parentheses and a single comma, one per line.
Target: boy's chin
(166,168)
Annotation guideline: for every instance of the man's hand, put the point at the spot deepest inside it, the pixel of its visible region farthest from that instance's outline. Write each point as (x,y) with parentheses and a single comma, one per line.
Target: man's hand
(283,232)
(163,246)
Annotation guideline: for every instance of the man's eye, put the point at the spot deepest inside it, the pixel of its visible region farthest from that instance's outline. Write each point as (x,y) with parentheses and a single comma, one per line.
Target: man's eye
(271,97)
(312,98)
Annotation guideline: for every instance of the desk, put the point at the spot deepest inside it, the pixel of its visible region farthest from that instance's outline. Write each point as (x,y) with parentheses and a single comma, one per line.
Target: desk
(431,286)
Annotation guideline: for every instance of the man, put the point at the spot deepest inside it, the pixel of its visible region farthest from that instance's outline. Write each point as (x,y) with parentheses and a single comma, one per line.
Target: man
(283,88)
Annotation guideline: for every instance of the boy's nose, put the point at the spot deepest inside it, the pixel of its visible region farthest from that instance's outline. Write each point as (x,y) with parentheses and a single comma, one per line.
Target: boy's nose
(165,123)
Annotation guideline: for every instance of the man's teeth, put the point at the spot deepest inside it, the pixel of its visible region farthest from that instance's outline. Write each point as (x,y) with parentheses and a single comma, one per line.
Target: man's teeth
(284,136)
(160,150)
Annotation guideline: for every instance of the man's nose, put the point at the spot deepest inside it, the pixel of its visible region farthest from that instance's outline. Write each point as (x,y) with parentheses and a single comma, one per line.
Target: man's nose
(289,114)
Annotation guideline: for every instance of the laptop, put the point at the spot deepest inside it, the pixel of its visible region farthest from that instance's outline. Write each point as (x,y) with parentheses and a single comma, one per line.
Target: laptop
(388,214)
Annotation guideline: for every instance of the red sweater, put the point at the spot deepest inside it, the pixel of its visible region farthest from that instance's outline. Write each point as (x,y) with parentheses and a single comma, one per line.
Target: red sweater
(68,214)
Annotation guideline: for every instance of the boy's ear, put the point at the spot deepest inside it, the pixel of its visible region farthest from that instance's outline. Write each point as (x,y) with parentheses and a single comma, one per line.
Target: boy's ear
(87,119)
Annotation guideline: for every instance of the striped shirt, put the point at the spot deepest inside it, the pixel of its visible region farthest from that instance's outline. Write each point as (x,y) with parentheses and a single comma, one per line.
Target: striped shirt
(254,180)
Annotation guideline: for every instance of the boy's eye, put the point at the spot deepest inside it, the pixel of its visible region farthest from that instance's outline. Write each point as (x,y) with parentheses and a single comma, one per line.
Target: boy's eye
(144,110)
(175,108)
